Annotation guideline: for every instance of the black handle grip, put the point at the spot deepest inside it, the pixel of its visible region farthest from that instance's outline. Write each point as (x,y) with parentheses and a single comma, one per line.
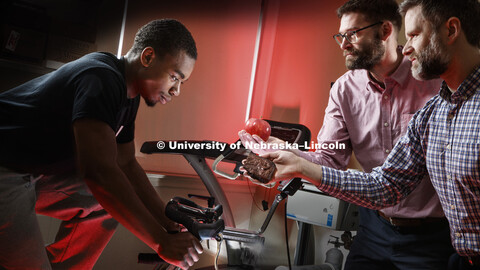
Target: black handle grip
(172,212)
(180,214)
(210,200)
(192,209)
(218,211)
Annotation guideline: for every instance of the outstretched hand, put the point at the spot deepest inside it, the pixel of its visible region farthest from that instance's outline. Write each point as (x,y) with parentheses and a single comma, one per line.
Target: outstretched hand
(288,164)
(181,249)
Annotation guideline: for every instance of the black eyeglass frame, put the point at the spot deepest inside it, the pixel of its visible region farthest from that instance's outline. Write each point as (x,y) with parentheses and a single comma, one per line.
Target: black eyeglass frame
(354,32)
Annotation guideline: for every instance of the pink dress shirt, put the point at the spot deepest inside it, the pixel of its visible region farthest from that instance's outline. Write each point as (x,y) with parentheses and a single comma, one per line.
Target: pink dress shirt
(369,120)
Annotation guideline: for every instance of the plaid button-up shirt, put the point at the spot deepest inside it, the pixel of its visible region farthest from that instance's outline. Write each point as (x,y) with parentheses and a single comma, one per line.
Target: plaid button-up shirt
(443,140)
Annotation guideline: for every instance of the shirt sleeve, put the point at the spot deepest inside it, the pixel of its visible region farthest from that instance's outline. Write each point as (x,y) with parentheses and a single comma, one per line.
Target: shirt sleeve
(127,134)
(334,131)
(97,96)
(386,185)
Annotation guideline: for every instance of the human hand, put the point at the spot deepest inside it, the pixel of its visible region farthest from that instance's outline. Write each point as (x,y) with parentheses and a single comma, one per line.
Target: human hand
(257,145)
(288,164)
(171,226)
(180,249)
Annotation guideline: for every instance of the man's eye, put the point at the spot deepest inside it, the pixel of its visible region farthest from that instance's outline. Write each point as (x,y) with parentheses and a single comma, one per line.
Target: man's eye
(412,36)
(173,78)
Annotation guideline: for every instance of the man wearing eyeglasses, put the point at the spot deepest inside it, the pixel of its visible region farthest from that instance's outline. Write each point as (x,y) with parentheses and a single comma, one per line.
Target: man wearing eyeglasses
(369,110)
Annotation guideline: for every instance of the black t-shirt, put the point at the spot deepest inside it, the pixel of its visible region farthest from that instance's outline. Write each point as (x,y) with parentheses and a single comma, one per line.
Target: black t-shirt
(36,117)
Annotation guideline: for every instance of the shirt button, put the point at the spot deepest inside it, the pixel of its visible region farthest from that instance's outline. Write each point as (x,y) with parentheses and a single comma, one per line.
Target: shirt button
(452,207)
(458,235)
(385,97)
(386,124)
(449,146)
(387,151)
(449,177)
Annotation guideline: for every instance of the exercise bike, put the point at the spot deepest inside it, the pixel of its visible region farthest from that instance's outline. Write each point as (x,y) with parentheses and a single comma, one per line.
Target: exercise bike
(216,221)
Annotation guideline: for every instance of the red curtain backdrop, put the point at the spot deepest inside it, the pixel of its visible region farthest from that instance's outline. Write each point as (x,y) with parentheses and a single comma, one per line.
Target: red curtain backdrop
(297,60)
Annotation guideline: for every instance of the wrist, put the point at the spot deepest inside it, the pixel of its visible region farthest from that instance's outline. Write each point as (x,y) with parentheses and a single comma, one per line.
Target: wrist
(158,241)
(301,168)
(164,221)
(171,226)
(310,171)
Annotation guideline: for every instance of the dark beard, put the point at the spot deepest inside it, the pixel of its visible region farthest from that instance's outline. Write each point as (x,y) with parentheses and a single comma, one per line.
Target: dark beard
(433,61)
(367,57)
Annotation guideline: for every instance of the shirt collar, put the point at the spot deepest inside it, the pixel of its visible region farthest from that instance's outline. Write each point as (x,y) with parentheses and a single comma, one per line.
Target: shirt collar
(400,75)
(466,89)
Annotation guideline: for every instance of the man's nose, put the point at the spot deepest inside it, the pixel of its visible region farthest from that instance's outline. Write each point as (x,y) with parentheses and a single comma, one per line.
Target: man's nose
(345,44)
(407,50)
(175,90)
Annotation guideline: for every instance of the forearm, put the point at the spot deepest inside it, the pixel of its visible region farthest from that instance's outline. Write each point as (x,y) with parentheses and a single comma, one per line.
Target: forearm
(146,192)
(116,195)
(369,190)
(310,171)
(333,159)
(99,161)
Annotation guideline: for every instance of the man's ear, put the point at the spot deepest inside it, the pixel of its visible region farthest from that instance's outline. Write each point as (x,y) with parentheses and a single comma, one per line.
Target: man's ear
(147,56)
(386,30)
(454,27)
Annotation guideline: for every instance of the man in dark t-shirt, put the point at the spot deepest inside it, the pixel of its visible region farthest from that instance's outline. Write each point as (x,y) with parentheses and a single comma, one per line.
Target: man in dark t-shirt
(67,151)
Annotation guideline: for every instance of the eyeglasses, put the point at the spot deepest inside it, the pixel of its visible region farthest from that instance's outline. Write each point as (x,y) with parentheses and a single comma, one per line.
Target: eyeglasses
(351,36)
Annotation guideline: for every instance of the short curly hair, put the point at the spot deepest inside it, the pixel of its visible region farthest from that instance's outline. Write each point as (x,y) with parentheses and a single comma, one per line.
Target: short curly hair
(438,12)
(374,10)
(165,36)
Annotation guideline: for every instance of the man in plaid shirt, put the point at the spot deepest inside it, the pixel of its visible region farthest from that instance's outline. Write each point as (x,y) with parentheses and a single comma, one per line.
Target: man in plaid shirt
(443,138)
